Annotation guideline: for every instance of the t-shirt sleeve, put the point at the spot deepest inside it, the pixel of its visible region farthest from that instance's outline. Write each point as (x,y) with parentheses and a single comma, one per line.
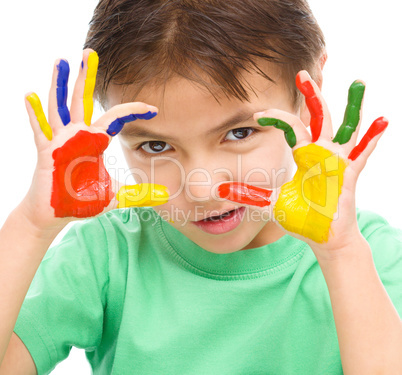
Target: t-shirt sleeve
(65,302)
(386,246)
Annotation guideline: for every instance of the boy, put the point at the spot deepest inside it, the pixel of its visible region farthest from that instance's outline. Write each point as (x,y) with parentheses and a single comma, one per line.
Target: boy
(146,296)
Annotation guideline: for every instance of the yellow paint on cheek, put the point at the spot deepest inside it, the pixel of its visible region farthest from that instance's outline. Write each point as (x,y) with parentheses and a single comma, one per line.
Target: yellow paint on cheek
(36,105)
(308,203)
(93,61)
(142,195)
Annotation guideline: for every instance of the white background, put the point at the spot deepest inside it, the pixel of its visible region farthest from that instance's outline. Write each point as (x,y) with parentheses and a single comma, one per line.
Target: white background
(363,41)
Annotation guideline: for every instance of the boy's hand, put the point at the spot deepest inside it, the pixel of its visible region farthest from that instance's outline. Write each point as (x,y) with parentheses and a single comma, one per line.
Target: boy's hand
(70,179)
(318,205)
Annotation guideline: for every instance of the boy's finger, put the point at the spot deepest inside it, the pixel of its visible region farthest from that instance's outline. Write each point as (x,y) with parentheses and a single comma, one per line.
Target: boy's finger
(369,141)
(245,194)
(141,195)
(320,123)
(352,118)
(89,88)
(113,120)
(58,110)
(82,100)
(294,129)
(37,117)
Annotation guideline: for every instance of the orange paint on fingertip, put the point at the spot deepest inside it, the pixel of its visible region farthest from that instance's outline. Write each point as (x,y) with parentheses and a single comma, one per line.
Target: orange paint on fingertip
(314,105)
(245,194)
(376,128)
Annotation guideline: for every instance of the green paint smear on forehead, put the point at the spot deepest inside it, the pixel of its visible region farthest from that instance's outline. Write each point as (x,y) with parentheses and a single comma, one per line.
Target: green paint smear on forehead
(290,135)
(352,113)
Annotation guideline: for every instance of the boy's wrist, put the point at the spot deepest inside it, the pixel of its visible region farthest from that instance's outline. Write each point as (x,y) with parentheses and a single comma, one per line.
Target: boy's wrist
(32,225)
(355,246)
(358,299)
(333,262)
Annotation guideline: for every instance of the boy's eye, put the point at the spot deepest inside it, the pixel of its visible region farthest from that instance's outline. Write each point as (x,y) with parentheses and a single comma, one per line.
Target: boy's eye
(155,147)
(240,133)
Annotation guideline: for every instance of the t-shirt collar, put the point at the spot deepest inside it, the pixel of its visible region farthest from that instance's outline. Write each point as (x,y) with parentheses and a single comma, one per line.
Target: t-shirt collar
(247,261)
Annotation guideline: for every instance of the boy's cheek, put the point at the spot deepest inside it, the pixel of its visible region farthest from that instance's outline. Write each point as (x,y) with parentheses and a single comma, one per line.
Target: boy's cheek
(269,165)
(178,216)
(268,170)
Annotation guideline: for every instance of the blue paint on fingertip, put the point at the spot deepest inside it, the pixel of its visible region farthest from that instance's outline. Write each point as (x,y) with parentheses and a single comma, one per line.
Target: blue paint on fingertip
(117,125)
(147,116)
(64,72)
(62,91)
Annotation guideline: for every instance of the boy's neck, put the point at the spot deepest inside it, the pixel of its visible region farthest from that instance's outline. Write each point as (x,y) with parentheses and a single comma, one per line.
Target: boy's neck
(269,233)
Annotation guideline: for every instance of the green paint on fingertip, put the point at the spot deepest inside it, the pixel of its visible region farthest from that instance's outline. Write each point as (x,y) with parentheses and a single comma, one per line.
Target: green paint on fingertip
(290,135)
(352,113)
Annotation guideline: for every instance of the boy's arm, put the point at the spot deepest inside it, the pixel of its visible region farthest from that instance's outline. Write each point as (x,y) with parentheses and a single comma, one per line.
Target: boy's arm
(57,195)
(17,360)
(368,326)
(318,207)
(22,247)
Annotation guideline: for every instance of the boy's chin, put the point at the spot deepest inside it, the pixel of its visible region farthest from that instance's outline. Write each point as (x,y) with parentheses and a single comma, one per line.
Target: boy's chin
(224,244)
(245,236)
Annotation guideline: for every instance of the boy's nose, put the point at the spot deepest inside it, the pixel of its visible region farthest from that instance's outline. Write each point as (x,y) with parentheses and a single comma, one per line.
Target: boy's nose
(201,184)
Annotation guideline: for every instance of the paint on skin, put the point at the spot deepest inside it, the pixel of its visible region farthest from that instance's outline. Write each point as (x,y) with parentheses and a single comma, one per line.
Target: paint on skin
(142,195)
(245,194)
(117,125)
(279,124)
(377,127)
(62,91)
(308,203)
(93,61)
(314,106)
(36,105)
(352,113)
(81,185)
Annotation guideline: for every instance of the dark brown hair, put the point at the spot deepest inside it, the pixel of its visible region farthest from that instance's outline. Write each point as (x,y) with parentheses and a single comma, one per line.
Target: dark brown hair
(211,42)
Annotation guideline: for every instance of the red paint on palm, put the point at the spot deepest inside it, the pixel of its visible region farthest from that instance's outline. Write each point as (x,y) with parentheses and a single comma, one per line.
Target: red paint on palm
(314,106)
(81,185)
(246,194)
(376,128)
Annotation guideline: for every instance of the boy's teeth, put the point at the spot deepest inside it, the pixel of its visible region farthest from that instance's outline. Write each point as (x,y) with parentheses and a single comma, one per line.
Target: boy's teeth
(219,216)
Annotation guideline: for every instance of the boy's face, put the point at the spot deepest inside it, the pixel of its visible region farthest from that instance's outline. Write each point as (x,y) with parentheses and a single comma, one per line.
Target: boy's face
(197,144)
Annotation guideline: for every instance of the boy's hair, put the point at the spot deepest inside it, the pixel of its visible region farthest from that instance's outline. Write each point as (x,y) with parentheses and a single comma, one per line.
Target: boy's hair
(210,42)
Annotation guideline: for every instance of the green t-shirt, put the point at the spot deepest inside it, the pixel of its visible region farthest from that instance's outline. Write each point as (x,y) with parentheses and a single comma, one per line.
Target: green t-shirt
(141,298)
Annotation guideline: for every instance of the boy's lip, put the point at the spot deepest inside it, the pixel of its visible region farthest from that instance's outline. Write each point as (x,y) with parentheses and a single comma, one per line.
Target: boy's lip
(223,225)
(217,213)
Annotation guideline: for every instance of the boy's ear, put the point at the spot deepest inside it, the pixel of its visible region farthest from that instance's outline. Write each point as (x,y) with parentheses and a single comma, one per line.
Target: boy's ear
(320,67)
(318,78)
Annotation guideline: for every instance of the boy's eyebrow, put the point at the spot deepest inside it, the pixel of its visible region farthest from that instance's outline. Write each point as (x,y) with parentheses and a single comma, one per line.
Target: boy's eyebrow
(237,118)
(137,132)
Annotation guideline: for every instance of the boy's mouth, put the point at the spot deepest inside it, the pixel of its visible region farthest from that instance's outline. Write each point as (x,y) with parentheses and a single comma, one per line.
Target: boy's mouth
(223,223)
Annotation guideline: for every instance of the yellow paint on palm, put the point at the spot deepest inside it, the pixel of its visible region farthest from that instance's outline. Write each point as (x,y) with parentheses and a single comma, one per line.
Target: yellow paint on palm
(142,195)
(308,203)
(36,105)
(90,80)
